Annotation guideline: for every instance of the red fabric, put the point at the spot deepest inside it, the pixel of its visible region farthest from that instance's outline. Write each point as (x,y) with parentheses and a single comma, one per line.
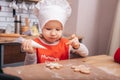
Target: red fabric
(117,56)
(53,52)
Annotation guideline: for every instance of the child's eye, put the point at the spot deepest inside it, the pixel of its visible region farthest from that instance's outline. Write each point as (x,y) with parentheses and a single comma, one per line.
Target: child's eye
(58,29)
(48,28)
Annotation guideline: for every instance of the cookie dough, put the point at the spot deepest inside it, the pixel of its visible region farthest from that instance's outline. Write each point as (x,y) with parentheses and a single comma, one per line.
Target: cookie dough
(54,65)
(81,68)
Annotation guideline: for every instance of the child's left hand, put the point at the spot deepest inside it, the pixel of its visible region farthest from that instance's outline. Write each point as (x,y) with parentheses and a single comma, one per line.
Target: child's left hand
(74,42)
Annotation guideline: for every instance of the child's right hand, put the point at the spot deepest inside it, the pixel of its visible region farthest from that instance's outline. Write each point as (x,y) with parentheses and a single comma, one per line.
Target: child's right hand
(27,46)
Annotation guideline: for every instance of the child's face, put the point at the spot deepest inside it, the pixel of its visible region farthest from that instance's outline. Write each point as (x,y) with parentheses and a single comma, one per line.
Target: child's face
(52,31)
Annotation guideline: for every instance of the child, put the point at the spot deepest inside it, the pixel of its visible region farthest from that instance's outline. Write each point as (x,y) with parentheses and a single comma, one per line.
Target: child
(52,15)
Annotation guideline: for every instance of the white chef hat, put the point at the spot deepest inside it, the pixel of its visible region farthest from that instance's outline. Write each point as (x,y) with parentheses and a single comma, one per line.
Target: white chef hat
(47,10)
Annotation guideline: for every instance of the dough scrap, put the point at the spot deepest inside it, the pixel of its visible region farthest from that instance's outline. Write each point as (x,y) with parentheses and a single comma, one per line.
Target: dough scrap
(81,68)
(54,65)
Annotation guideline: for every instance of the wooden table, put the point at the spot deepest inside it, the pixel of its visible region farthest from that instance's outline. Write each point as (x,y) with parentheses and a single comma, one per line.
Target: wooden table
(102,67)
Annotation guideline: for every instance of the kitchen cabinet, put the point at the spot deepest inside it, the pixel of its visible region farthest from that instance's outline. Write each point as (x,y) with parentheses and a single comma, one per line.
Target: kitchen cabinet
(11,54)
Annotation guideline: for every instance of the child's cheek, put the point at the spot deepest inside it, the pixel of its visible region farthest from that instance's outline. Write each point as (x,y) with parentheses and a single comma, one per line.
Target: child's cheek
(46,32)
(60,33)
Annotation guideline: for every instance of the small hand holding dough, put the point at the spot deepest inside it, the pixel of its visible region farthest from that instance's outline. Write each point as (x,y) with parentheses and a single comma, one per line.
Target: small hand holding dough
(81,68)
(73,41)
(54,65)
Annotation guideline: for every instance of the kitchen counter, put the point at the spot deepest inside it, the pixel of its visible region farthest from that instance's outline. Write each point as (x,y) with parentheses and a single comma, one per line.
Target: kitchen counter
(9,38)
(102,67)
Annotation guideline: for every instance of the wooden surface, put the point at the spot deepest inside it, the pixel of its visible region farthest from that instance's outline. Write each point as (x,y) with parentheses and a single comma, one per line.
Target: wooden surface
(11,35)
(103,62)
(102,67)
(9,38)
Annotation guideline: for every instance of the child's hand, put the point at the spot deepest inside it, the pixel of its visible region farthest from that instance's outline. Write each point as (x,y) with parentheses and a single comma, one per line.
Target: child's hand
(27,46)
(74,42)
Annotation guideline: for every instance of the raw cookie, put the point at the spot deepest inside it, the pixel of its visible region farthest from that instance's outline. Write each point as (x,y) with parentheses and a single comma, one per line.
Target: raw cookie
(53,65)
(81,68)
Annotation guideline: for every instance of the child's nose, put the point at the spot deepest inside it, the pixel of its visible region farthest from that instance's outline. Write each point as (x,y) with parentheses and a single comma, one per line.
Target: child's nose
(53,32)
